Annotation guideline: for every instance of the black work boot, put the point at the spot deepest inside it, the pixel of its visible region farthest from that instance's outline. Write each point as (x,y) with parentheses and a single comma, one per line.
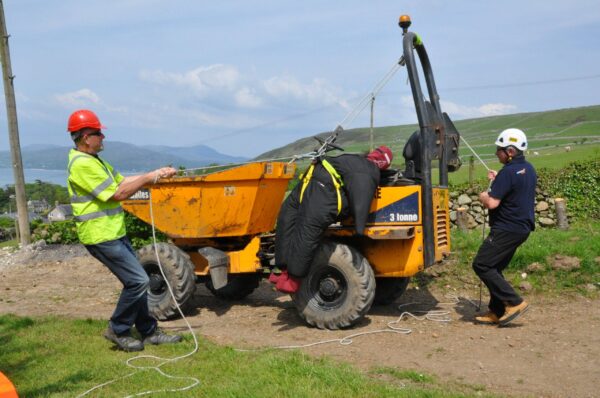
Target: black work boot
(124,342)
(159,337)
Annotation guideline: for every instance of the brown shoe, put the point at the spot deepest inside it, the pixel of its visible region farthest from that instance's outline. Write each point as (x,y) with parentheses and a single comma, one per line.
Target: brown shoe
(487,319)
(513,312)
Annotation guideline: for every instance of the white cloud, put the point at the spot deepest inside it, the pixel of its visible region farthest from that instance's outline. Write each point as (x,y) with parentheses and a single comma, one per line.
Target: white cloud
(78,99)
(461,111)
(458,111)
(222,96)
(202,80)
(497,109)
(246,98)
(225,81)
(319,91)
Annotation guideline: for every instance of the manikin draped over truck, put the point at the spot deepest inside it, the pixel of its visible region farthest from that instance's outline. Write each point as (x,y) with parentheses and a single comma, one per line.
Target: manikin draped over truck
(220,224)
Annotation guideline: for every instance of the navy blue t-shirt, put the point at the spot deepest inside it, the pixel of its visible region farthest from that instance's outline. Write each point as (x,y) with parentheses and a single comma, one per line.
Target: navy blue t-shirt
(515,187)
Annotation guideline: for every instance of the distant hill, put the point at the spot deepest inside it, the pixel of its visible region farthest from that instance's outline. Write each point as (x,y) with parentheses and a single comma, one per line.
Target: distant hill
(126,157)
(198,153)
(547,129)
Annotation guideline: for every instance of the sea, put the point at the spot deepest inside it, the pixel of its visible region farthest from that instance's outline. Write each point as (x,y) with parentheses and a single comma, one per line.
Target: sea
(31,175)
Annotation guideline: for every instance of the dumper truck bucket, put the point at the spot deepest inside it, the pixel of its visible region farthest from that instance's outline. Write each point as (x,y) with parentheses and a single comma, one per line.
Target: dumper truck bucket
(240,201)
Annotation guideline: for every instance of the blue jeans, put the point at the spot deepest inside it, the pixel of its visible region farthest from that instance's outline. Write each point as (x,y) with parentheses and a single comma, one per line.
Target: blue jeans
(132,308)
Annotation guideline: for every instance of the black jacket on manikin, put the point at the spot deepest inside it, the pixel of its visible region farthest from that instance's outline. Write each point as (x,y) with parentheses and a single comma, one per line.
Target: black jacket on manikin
(301,224)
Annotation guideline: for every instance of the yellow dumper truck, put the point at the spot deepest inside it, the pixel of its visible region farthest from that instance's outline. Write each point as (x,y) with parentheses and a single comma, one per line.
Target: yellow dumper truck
(220,225)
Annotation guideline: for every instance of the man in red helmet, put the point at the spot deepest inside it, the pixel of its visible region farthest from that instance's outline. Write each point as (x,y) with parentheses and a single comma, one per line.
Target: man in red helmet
(331,188)
(96,190)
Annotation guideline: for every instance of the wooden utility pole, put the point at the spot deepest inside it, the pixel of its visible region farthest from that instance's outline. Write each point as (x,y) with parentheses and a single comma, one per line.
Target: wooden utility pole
(13,132)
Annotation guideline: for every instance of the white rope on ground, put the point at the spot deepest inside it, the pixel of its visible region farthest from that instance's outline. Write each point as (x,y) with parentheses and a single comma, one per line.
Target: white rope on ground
(442,316)
(139,368)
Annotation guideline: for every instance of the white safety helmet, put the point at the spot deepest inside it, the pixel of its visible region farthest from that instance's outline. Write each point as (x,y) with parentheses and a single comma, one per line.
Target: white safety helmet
(512,137)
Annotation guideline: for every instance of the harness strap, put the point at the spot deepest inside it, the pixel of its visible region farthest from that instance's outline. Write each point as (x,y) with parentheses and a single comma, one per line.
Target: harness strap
(305,177)
(335,178)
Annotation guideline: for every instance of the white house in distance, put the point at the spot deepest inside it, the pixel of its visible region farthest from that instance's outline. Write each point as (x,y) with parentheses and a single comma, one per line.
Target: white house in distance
(38,206)
(60,213)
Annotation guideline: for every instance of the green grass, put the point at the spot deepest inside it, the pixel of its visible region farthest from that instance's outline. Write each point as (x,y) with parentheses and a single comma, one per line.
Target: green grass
(56,357)
(582,240)
(9,243)
(548,133)
(552,158)
(409,375)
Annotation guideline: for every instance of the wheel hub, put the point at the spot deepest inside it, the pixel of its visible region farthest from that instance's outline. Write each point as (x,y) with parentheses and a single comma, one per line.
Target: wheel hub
(328,287)
(157,283)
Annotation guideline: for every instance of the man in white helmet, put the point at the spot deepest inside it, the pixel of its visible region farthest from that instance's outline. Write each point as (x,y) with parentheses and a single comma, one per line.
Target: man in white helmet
(510,201)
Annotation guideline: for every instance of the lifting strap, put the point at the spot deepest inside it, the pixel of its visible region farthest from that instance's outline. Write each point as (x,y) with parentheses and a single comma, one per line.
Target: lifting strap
(335,177)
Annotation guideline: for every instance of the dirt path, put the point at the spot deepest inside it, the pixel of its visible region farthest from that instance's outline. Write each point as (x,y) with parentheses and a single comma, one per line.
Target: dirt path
(554,351)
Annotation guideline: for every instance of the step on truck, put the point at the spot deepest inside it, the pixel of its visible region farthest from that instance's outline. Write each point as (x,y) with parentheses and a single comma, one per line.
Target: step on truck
(220,225)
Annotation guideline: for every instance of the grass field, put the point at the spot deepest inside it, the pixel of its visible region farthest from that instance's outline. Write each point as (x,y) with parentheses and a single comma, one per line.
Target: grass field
(550,158)
(548,134)
(56,357)
(582,240)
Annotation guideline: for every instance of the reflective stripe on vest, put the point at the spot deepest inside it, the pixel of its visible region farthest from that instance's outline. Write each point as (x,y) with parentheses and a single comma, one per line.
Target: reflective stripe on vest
(335,177)
(98,214)
(97,191)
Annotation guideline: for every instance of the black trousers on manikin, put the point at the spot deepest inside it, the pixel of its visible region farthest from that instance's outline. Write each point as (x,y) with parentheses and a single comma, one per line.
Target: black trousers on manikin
(302,224)
(493,257)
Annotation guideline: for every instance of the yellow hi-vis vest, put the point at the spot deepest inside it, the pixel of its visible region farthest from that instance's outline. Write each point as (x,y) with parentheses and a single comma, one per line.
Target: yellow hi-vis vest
(91,183)
(335,177)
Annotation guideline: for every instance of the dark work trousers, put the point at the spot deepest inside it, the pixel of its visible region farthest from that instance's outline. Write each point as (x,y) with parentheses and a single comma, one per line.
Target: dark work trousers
(301,225)
(493,257)
(132,308)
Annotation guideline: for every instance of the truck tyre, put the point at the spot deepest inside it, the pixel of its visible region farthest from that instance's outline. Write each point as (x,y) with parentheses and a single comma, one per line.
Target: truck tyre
(237,287)
(338,290)
(179,270)
(389,289)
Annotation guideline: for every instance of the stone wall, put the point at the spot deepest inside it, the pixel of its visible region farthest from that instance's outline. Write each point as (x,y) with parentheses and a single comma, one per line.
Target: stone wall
(545,213)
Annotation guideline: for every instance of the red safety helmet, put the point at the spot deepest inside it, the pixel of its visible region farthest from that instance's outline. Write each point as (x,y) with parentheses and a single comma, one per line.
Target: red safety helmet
(83,118)
(382,157)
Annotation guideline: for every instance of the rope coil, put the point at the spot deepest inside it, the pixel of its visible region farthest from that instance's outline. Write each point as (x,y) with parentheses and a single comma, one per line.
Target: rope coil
(442,316)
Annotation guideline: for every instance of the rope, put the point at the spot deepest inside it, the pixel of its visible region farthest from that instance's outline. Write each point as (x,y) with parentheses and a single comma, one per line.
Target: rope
(475,153)
(391,327)
(237,164)
(484,217)
(164,361)
(366,100)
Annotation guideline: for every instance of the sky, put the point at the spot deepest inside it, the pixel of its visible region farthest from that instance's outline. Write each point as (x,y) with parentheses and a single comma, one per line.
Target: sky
(244,77)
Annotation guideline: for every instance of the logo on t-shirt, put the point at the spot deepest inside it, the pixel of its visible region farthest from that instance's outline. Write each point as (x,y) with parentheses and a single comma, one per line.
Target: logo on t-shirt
(522,171)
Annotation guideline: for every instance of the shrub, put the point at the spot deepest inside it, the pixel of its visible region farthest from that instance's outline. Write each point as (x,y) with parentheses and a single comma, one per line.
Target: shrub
(579,184)
(62,232)
(65,232)
(140,233)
